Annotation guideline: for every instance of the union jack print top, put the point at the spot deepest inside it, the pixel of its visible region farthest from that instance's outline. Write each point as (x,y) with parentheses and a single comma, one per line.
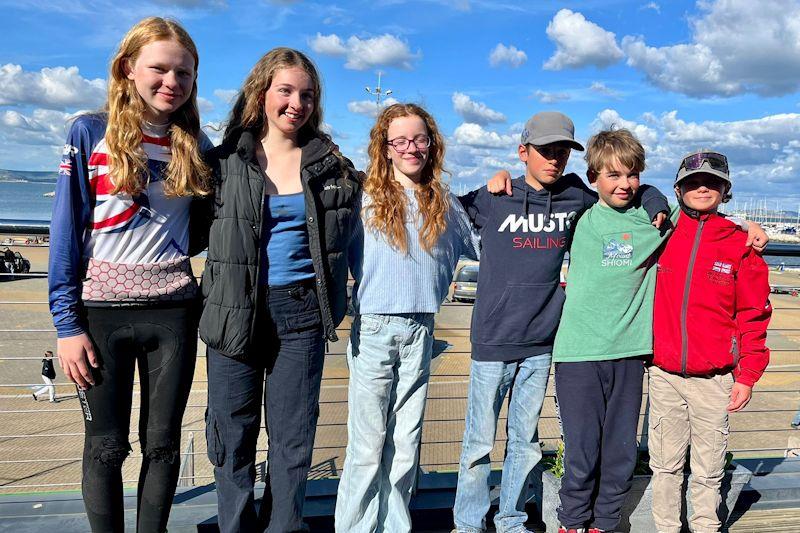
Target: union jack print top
(112,233)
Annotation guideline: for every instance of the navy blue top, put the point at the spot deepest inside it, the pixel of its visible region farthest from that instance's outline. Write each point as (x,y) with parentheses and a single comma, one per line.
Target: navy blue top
(523,241)
(284,241)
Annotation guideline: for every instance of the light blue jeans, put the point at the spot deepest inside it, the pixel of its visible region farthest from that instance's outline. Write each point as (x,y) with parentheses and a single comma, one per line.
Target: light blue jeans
(389,358)
(489,381)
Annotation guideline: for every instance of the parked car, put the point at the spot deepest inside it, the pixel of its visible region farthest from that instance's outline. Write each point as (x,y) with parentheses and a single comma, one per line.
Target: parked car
(466,284)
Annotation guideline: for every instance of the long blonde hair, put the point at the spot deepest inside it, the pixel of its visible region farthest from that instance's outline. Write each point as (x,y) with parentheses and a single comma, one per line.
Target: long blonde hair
(186,172)
(387,211)
(248,111)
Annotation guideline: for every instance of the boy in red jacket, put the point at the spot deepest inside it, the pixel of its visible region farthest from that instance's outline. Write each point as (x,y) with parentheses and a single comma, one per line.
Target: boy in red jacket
(710,325)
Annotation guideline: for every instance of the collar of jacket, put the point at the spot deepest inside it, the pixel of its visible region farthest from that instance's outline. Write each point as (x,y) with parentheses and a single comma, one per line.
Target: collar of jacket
(315,149)
(693,213)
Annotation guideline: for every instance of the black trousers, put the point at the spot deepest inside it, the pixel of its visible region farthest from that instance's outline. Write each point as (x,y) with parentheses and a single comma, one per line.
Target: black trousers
(599,403)
(163,343)
(285,373)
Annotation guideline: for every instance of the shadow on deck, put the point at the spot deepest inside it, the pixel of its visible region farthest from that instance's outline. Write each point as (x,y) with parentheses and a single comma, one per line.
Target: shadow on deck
(770,502)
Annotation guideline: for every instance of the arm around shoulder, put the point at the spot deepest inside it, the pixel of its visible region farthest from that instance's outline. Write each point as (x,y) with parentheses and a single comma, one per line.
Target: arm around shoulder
(477,204)
(653,201)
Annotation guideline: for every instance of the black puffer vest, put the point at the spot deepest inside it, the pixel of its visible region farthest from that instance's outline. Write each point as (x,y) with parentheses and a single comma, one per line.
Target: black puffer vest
(233,302)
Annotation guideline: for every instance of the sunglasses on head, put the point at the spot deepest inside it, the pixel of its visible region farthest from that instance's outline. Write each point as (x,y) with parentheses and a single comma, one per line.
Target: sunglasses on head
(715,160)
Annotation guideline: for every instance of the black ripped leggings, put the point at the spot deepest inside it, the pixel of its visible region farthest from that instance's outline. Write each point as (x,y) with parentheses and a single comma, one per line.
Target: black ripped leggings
(163,343)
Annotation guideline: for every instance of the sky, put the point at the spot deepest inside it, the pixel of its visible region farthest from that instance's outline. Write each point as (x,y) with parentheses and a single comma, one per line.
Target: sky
(681,75)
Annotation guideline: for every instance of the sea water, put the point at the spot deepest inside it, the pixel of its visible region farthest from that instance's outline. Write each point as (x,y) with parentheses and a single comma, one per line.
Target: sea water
(25,200)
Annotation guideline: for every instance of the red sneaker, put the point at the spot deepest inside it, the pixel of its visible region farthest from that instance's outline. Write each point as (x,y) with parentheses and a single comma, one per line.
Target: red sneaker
(562,529)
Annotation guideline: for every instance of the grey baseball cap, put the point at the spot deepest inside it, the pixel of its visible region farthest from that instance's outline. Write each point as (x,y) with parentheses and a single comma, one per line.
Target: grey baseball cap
(549,127)
(704,162)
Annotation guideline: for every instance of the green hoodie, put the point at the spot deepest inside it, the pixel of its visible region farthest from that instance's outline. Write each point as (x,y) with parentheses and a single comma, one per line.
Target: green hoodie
(608,313)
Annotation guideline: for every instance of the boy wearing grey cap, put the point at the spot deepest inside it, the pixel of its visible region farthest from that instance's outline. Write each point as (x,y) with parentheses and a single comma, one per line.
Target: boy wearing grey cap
(524,236)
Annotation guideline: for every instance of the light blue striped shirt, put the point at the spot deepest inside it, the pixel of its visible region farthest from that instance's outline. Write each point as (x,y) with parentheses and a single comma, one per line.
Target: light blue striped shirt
(391,282)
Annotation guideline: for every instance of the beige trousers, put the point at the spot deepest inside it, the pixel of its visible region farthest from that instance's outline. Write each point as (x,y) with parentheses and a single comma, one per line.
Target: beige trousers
(688,412)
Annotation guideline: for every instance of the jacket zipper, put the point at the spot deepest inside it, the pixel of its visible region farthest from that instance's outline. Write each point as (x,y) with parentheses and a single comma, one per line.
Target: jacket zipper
(257,285)
(686,289)
(319,267)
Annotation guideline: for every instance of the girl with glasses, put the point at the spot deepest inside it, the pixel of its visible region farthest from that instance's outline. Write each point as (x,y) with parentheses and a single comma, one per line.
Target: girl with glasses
(406,245)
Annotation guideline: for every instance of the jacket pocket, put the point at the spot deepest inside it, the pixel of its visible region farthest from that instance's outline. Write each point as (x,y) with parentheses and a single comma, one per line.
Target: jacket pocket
(214,444)
(524,314)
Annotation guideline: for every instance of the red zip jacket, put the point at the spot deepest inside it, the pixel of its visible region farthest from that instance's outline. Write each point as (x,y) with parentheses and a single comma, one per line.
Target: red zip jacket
(712,302)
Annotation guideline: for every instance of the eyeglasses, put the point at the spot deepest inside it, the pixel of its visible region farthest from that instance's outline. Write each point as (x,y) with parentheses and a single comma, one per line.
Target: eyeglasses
(552,151)
(401,144)
(715,160)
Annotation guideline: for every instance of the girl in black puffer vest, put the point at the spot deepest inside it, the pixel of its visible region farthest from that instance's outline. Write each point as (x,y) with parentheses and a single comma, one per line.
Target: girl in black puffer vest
(274,287)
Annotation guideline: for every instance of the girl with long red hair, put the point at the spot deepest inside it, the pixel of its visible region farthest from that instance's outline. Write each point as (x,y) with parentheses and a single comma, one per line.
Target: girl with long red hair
(406,245)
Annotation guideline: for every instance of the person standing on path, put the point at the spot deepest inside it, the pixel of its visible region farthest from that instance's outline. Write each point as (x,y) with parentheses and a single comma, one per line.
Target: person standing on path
(48,375)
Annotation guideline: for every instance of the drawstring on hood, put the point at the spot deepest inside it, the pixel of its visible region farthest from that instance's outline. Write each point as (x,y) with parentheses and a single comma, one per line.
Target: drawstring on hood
(526,189)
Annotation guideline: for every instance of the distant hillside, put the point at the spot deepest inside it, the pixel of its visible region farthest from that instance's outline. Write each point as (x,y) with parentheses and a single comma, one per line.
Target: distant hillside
(27,176)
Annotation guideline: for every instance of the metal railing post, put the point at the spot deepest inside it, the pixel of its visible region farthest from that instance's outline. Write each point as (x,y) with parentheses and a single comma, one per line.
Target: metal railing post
(186,475)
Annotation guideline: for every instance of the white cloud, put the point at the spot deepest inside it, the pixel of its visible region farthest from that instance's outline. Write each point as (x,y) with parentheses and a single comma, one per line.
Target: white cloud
(330,45)
(333,132)
(362,54)
(550,98)
(692,69)
(474,135)
(204,105)
(475,154)
(369,107)
(602,88)
(507,55)
(42,127)
(609,118)
(651,5)
(580,43)
(53,88)
(226,95)
(476,112)
(729,53)
(763,152)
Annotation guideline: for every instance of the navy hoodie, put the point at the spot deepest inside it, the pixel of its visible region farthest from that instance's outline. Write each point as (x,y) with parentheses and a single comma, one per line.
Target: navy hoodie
(523,241)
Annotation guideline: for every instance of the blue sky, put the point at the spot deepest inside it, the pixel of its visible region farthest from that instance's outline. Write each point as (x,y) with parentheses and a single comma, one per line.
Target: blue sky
(722,74)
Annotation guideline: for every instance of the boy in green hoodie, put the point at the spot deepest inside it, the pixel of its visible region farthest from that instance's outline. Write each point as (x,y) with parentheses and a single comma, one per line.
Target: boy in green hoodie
(603,337)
